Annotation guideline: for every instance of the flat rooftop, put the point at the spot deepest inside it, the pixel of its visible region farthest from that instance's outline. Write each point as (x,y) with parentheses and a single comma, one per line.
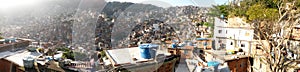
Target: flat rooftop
(6,44)
(127,55)
(18,57)
(220,54)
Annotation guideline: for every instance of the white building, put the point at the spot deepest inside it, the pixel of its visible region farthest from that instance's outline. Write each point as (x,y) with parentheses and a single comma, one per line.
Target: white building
(233,35)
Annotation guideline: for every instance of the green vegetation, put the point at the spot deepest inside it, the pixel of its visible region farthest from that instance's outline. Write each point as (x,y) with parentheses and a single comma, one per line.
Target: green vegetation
(269,17)
(68,54)
(1,36)
(63,49)
(253,10)
(208,24)
(262,13)
(211,35)
(102,54)
(217,11)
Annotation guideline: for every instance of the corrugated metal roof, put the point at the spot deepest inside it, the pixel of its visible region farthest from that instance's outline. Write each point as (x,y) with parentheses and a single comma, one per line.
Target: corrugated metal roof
(5,54)
(9,53)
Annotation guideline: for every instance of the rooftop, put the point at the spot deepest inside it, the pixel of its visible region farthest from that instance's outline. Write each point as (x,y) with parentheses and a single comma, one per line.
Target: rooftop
(223,56)
(3,42)
(8,49)
(127,56)
(232,23)
(8,53)
(18,58)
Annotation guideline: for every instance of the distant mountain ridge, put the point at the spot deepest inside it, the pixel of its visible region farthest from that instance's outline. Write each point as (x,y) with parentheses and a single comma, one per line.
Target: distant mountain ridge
(57,18)
(113,7)
(128,15)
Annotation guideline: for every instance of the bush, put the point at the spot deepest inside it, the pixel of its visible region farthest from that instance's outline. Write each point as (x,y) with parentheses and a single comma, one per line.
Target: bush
(102,54)
(68,55)
(208,24)
(63,49)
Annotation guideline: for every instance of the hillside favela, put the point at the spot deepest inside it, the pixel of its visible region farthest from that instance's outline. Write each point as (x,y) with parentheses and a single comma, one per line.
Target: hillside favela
(149,35)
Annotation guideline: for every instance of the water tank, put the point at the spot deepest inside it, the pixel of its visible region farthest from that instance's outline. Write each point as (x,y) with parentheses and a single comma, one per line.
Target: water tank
(28,62)
(148,51)
(6,40)
(214,64)
(13,40)
(173,45)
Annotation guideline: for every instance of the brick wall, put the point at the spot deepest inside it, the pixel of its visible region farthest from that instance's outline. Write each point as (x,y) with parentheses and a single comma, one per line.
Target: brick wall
(5,65)
(239,65)
(167,66)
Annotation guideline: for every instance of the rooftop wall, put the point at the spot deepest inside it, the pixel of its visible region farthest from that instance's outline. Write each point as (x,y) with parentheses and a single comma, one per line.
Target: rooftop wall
(18,45)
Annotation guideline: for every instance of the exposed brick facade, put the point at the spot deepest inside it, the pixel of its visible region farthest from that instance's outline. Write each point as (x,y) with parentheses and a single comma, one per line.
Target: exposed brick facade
(239,65)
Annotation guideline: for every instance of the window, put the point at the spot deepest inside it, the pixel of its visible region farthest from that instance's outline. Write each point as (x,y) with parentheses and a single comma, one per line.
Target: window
(205,44)
(231,43)
(220,31)
(172,52)
(185,52)
(247,34)
(220,41)
(226,31)
(260,65)
(223,45)
(242,45)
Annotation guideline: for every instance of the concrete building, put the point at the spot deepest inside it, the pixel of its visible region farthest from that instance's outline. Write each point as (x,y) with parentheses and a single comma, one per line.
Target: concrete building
(12,48)
(13,44)
(130,59)
(235,62)
(232,35)
(204,43)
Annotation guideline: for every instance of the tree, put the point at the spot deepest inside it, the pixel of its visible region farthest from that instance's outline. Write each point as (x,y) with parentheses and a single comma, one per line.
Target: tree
(261,12)
(273,27)
(219,10)
(273,21)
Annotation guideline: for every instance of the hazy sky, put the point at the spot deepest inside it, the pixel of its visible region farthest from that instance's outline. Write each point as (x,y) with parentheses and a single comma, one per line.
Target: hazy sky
(167,3)
(221,1)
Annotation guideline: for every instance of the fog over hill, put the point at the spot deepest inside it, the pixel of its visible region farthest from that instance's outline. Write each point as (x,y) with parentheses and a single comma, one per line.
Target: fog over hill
(57,20)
